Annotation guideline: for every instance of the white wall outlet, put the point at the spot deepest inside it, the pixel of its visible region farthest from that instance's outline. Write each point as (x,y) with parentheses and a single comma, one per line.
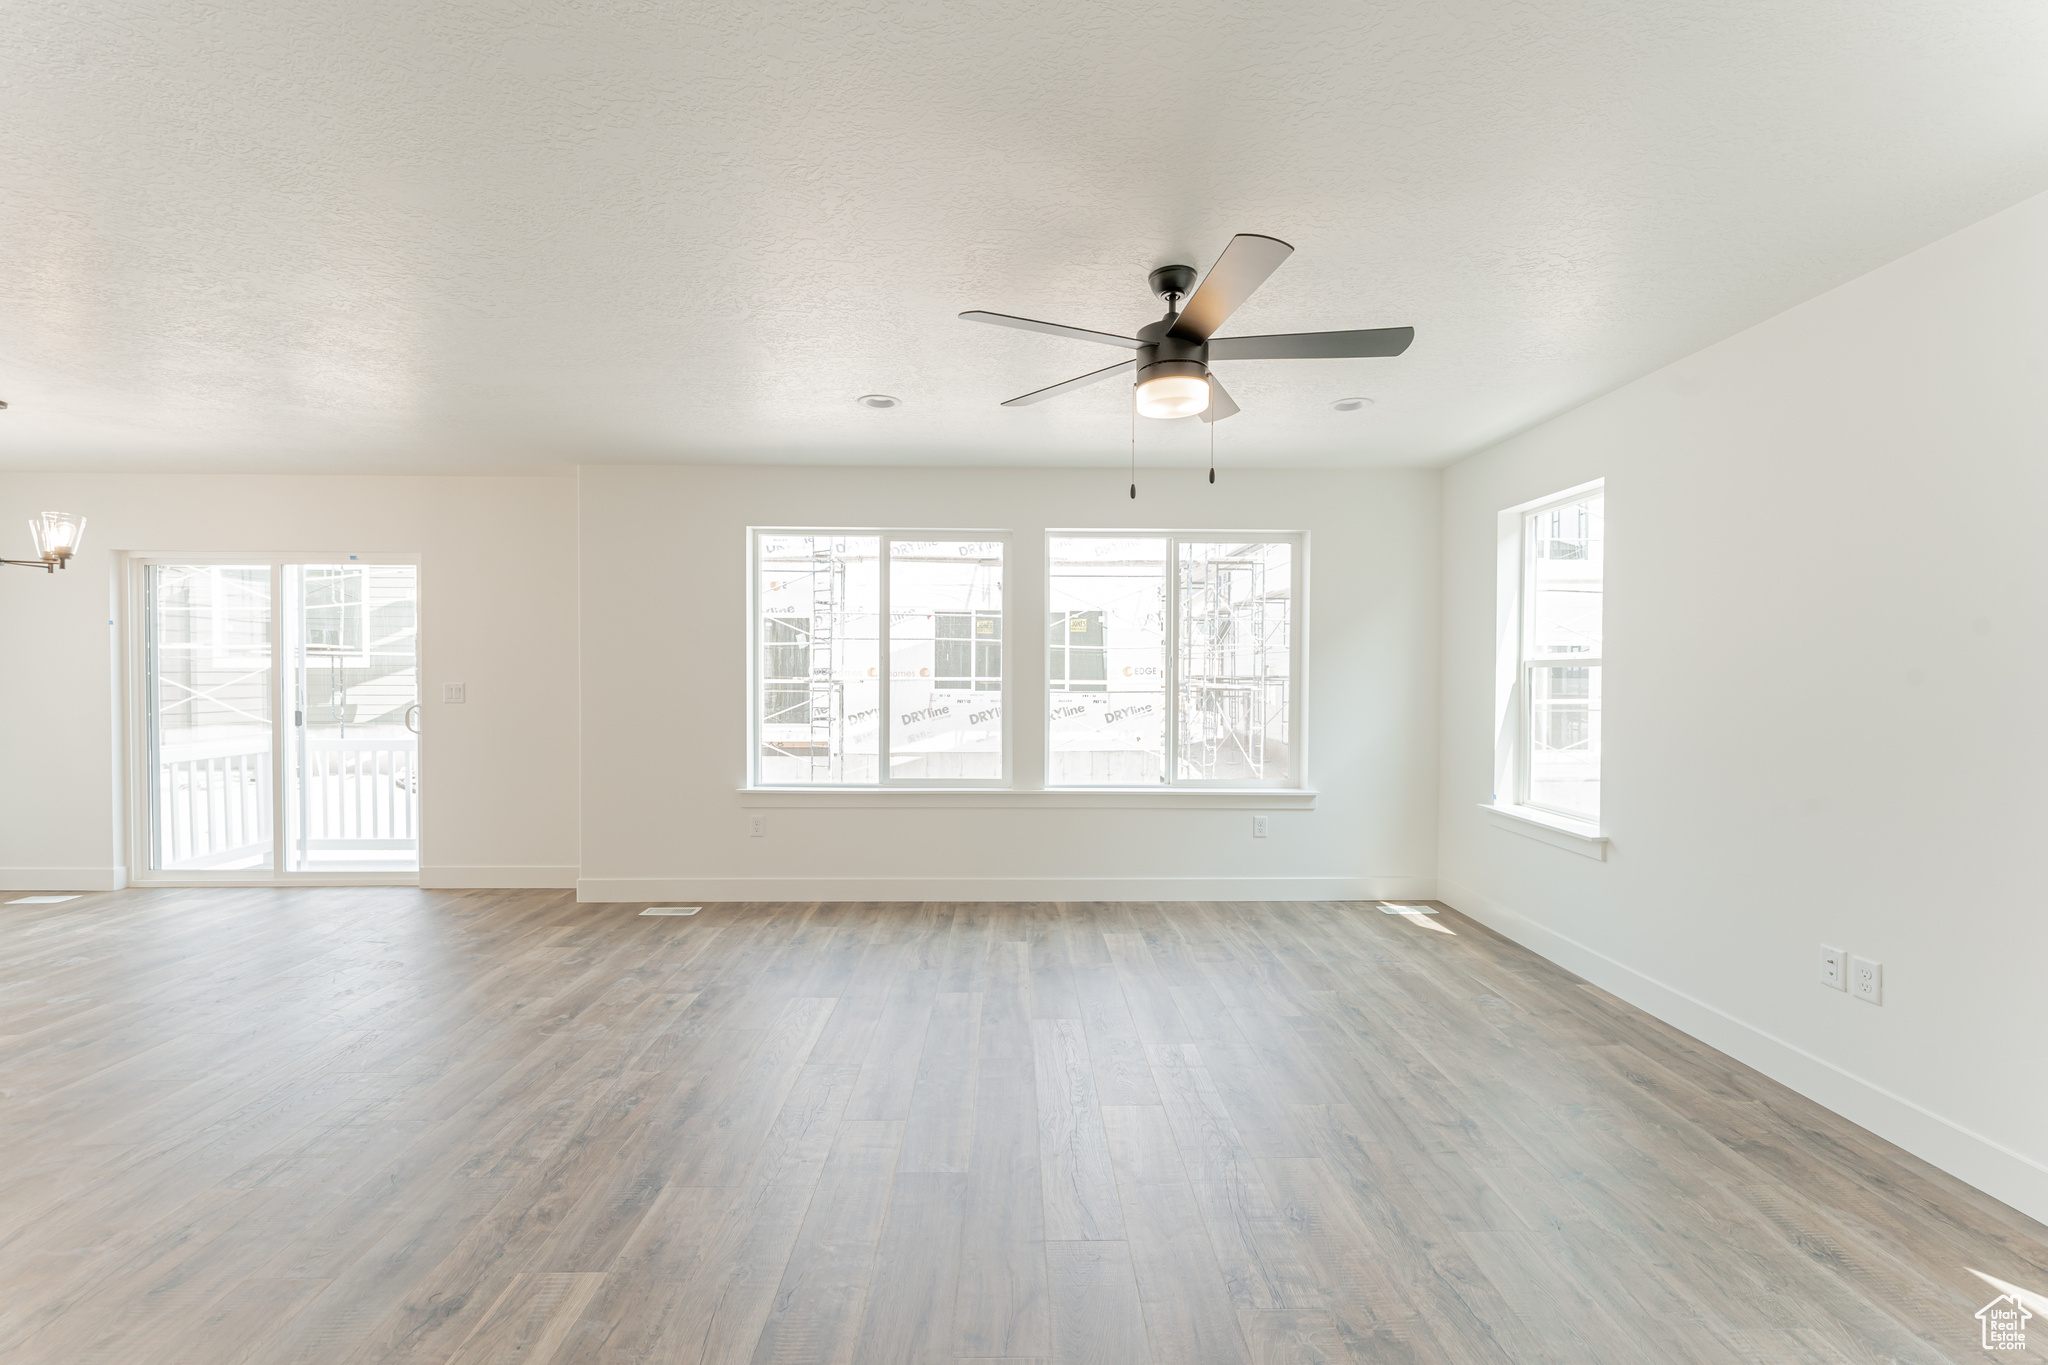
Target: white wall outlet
(757,827)
(1866,979)
(454,694)
(1258,827)
(1834,968)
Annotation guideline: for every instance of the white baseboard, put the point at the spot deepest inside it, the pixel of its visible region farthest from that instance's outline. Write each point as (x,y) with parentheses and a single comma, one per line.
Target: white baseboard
(1997,1170)
(63,878)
(613,890)
(513,878)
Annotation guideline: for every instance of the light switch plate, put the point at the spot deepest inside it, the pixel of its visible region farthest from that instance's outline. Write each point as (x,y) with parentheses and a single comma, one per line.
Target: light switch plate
(454,694)
(1866,979)
(1834,968)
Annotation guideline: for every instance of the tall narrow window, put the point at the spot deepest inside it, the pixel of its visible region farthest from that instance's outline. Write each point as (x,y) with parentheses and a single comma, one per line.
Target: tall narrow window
(946,660)
(1106,725)
(1563,563)
(819,607)
(1235,621)
(830,608)
(1170,660)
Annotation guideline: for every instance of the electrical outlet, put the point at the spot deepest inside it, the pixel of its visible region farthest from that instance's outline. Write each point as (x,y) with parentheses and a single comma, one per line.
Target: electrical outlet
(1834,968)
(454,694)
(1866,979)
(757,828)
(1258,827)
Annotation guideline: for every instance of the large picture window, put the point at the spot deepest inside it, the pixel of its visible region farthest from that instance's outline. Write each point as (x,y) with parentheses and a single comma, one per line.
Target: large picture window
(1171,659)
(1558,682)
(829,608)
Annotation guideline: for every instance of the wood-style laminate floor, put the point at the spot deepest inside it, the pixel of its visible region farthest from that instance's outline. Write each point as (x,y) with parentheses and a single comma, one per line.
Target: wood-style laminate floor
(380,1125)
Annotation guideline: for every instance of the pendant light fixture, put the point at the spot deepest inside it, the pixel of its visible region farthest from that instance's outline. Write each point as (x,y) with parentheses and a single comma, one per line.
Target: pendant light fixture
(57,536)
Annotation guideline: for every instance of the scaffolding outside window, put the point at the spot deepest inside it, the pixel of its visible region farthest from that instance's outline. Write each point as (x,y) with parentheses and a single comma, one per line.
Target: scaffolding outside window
(334,609)
(1170,659)
(830,607)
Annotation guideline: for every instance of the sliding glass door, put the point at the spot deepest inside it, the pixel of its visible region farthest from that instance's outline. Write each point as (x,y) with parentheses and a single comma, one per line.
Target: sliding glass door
(353,801)
(280,711)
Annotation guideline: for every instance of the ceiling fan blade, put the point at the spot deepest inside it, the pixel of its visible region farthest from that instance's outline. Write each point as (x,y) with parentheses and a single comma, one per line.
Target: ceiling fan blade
(1055,390)
(1313,345)
(1054,329)
(1243,267)
(1220,404)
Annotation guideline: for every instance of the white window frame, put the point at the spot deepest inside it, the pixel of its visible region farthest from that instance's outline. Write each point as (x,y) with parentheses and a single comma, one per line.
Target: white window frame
(352,613)
(141,777)
(1296,775)
(755,679)
(1515,663)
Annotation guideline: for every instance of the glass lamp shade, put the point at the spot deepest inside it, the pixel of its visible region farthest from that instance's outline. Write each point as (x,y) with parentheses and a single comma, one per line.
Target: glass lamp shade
(1173,395)
(56,534)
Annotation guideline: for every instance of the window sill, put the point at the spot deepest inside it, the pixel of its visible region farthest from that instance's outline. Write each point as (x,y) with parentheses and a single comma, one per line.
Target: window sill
(1574,836)
(1064,798)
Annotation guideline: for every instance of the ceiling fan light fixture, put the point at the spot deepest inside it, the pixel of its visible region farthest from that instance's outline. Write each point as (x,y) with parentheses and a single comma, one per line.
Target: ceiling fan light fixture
(1173,388)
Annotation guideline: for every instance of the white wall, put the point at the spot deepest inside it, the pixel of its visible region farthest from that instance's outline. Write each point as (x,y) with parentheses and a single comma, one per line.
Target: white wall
(664,687)
(1827,674)
(498,601)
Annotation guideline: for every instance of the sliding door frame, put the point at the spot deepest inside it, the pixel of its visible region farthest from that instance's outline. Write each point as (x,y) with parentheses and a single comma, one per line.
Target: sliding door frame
(139,768)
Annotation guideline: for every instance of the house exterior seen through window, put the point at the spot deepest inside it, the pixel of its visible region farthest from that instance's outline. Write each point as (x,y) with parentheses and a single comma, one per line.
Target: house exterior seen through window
(878,658)
(1169,659)
(1563,583)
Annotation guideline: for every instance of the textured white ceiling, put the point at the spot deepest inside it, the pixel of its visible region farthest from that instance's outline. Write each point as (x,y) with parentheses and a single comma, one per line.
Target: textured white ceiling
(450,236)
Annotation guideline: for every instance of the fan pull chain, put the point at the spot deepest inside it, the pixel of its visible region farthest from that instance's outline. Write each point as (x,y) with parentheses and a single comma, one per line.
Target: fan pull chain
(1212,452)
(1134,439)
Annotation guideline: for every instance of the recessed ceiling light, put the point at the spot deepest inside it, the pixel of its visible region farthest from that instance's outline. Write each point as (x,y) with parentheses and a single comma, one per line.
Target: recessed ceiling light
(1351,404)
(878,400)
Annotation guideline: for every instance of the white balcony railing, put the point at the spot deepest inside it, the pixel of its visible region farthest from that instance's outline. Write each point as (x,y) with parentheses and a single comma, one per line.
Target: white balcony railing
(214,800)
(213,804)
(362,793)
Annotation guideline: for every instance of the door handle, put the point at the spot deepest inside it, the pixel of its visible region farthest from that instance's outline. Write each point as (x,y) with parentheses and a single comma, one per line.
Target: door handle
(412,715)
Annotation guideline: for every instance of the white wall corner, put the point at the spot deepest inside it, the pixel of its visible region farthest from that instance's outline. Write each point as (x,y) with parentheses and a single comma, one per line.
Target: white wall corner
(1997,1170)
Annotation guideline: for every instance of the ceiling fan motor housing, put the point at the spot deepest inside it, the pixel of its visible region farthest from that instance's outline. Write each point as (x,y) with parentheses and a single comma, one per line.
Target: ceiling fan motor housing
(1162,354)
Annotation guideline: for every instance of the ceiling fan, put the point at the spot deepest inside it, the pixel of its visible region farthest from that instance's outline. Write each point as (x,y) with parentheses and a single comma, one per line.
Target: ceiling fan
(1173,354)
